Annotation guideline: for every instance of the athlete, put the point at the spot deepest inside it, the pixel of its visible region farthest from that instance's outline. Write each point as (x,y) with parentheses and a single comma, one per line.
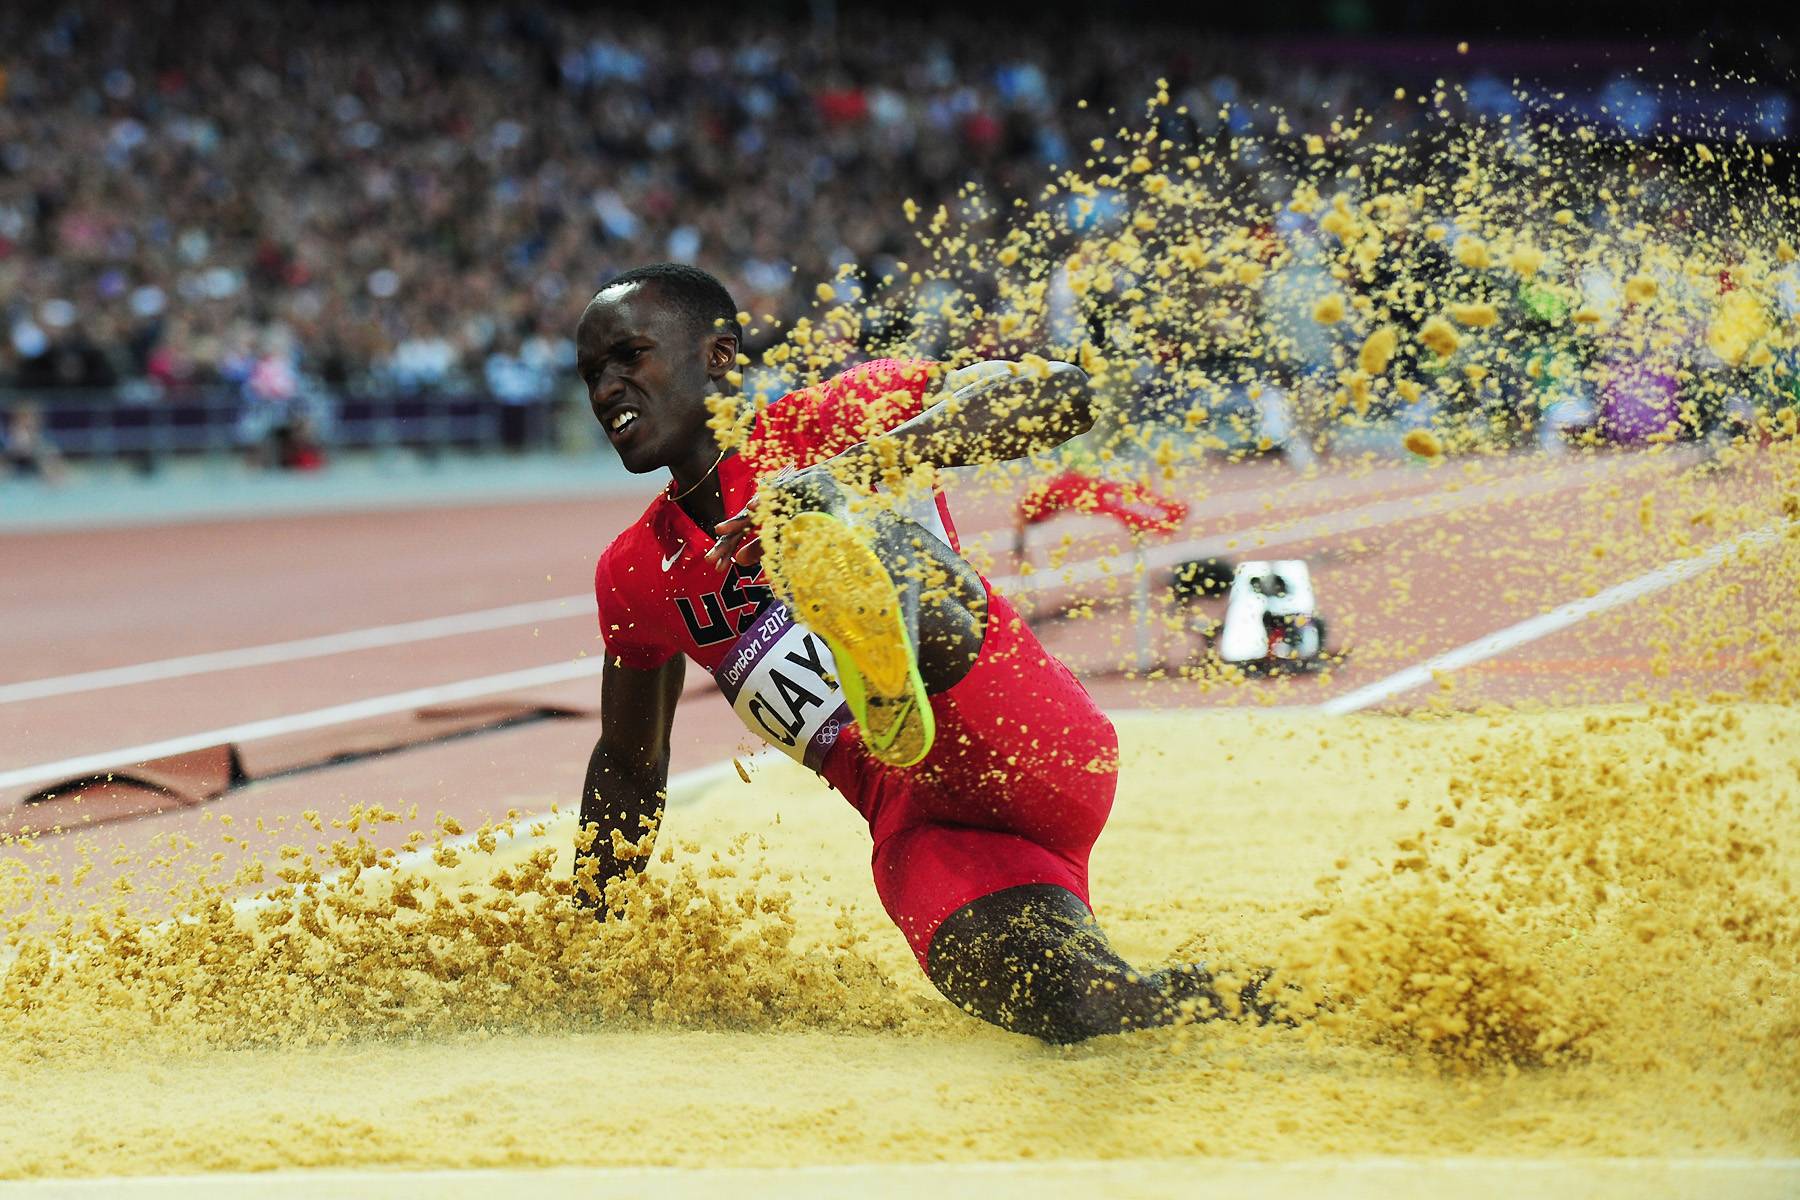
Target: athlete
(868,649)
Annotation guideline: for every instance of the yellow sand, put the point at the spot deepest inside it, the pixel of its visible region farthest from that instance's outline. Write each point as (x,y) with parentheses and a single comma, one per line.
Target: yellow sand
(755,1008)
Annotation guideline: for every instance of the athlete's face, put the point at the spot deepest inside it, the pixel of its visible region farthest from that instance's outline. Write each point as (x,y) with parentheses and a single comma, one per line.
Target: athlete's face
(648,373)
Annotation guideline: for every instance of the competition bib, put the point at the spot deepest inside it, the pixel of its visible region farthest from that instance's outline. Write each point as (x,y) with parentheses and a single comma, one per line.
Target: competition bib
(781,681)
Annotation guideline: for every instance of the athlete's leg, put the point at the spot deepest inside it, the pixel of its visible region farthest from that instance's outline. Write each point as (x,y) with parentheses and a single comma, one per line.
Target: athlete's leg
(941,597)
(942,603)
(981,856)
(1033,960)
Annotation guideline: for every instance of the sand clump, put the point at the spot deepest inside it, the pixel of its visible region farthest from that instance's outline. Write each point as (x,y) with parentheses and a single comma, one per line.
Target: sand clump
(1424,443)
(380,953)
(1579,895)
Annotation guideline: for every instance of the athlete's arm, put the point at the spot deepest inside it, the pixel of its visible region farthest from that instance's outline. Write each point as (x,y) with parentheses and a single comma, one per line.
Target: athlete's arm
(628,772)
(997,411)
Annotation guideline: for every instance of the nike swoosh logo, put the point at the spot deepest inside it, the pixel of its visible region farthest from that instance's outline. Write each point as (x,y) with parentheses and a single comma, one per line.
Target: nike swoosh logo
(896,711)
(670,561)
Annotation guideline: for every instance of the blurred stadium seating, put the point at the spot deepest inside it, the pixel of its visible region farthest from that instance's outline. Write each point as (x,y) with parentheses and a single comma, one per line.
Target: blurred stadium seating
(376,221)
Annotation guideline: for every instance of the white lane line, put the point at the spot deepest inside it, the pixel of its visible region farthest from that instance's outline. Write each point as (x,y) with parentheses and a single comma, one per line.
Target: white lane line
(1203,1178)
(1348,520)
(374,637)
(318,718)
(1530,630)
(322,646)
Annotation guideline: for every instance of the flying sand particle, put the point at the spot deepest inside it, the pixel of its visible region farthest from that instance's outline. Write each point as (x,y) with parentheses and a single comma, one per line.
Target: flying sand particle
(1423,443)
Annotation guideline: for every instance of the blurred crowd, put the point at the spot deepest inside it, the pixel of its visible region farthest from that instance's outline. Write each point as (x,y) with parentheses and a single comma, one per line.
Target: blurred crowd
(405,195)
(295,199)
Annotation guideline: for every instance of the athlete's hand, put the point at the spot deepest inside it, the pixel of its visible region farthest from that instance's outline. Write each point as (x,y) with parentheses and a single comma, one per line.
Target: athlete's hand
(788,491)
(738,542)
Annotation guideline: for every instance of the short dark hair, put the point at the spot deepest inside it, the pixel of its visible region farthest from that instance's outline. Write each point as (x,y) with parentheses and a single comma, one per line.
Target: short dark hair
(700,297)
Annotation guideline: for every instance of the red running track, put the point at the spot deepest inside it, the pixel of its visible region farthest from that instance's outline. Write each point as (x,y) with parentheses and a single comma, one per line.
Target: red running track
(1409,561)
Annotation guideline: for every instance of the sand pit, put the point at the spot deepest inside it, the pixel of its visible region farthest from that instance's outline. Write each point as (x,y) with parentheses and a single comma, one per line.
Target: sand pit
(1516,964)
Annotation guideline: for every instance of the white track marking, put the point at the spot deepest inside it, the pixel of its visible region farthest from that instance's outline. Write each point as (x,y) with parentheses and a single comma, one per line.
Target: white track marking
(375,637)
(1500,641)
(1366,516)
(1198,1178)
(377,706)
(1349,520)
(580,605)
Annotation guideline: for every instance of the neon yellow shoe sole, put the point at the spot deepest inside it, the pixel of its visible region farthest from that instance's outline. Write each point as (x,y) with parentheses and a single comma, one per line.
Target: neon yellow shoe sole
(835,585)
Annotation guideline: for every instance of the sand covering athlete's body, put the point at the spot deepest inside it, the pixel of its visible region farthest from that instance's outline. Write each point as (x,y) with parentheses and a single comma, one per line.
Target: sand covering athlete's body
(982,766)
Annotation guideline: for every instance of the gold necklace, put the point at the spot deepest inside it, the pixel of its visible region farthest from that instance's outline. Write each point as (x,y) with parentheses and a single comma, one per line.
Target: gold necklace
(702,479)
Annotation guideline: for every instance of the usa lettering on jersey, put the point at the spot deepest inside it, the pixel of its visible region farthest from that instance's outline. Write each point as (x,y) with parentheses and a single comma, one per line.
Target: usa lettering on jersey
(726,612)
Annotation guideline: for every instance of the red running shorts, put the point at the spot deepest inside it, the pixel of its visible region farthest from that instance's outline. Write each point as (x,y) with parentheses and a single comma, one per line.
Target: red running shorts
(1015,790)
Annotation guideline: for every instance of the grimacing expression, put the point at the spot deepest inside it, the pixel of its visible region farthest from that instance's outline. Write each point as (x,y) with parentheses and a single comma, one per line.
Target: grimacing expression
(648,372)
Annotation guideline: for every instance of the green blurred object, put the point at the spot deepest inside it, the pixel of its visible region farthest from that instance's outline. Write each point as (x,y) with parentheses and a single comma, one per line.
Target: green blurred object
(1543,302)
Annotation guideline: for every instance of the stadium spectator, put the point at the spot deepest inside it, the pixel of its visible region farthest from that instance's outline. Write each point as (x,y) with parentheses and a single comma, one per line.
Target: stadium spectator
(519,376)
(26,450)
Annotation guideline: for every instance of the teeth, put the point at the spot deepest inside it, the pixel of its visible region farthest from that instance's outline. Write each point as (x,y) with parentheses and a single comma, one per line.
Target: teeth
(622,420)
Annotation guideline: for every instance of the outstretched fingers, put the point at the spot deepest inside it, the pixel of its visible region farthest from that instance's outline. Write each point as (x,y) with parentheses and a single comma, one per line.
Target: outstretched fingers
(737,542)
